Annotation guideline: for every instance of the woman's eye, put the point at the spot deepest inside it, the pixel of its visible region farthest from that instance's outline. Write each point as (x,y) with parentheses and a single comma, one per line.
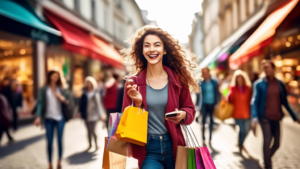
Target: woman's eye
(157,45)
(146,45)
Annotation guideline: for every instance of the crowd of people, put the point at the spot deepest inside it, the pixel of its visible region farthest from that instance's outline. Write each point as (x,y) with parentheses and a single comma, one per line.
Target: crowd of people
(255,101)
(162,85)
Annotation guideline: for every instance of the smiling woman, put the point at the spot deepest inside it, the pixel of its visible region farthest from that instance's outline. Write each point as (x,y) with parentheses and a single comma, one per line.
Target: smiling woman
(159,81)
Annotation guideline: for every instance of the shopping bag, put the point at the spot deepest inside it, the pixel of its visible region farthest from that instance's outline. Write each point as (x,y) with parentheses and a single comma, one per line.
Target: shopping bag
(206,157)
(112,160)
(191,159)
(133,126)
(119,147)
(199,161)
(182,157)
(114,120)
(224,110)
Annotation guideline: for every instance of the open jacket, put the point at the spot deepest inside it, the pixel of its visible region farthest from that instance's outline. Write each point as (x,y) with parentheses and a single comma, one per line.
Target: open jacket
(42,103)
(178,97)
(259,97)
(94,102)
(216,93)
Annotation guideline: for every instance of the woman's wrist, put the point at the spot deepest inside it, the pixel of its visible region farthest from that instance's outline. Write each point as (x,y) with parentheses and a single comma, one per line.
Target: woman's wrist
(138,105)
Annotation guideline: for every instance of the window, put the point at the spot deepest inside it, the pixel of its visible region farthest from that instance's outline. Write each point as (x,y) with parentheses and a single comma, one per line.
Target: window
(93,10)
(118,4)
(77,5)
(105,17)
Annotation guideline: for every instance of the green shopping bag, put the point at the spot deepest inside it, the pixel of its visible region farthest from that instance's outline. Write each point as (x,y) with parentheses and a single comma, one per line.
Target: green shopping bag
(192,159)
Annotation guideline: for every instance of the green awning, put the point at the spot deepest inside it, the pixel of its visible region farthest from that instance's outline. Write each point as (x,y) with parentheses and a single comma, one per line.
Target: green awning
(32,26)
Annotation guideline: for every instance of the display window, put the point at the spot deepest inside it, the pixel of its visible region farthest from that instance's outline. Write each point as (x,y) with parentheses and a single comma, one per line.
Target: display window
(16,62)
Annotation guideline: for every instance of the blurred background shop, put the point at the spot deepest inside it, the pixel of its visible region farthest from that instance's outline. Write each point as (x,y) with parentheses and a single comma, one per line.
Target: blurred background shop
(77,38)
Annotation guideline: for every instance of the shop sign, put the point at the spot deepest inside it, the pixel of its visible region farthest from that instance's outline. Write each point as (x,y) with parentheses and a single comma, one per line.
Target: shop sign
(40,35)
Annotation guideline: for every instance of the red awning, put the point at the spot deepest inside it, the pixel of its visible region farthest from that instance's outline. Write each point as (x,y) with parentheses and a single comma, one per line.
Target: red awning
(262,37)
(80,41)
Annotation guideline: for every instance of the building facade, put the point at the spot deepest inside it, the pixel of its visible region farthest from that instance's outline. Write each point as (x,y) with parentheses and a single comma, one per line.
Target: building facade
(75,37)
(196,37)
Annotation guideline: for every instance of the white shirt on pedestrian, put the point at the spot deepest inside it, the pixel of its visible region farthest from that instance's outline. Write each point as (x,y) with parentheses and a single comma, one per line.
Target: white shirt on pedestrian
(53,111)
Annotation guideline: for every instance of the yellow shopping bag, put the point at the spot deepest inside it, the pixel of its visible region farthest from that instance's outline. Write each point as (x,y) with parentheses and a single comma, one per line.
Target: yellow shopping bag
(133,126)
(224,110)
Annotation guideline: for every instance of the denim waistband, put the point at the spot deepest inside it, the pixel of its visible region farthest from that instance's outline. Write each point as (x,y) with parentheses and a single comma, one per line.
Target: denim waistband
(163,137)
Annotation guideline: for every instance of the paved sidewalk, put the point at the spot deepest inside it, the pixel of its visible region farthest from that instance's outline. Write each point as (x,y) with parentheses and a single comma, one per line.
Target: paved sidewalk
(29,150)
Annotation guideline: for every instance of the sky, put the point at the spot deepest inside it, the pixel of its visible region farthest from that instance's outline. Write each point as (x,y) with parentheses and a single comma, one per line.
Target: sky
(174,16)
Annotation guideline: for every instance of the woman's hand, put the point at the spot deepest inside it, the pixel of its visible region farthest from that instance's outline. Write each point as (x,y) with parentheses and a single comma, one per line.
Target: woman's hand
(135,95)
(177,119)
(37,121)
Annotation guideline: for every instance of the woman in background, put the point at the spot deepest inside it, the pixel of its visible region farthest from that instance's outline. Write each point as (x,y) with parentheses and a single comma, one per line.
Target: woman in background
(91,108)
(50,109)
(240,97)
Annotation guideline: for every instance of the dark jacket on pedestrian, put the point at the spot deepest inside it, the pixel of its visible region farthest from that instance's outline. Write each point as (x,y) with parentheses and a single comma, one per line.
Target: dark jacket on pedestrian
(93,105)
(259,97)
(216,93)
(5,112)
(15,100)
(42,106)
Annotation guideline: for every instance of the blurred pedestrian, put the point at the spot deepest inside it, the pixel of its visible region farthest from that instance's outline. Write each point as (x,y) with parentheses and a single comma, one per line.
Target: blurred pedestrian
(120,83)
(91,108)
(50,109)
(15,100)
(210,98)
(253,77)
(268,96)
(160,83)
(5,118)
(4,86)
(111,94)
(240,98)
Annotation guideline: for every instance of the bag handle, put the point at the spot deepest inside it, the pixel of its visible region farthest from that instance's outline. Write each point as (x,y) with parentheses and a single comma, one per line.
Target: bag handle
(186,128)
(133,104)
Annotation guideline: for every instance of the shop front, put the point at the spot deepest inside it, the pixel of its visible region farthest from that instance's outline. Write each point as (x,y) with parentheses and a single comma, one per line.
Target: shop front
(23,37)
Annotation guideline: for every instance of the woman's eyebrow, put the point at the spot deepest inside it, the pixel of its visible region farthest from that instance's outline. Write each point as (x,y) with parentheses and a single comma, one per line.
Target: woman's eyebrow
(149,42)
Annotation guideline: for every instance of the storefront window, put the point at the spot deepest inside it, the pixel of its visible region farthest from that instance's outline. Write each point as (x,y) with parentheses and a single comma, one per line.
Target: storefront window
(16,63)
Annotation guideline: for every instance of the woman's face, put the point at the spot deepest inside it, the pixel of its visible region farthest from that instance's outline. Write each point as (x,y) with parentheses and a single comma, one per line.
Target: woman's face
(240,80)
(153,49)
(54,77)
(89,85)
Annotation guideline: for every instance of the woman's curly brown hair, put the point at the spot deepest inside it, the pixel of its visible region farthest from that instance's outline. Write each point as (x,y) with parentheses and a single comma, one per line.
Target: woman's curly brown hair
(176,58)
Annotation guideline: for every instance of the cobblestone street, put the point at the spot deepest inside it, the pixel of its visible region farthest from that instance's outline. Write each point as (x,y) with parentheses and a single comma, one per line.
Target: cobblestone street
(29,150)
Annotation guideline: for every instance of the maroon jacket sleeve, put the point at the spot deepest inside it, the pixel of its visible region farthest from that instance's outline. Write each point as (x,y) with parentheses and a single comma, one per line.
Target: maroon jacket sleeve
(186,104)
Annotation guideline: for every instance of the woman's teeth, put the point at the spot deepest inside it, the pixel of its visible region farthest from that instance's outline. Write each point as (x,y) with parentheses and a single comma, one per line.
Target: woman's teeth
(152,56)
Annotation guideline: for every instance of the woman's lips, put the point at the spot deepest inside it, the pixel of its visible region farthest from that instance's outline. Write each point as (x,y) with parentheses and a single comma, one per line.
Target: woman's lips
(153,56)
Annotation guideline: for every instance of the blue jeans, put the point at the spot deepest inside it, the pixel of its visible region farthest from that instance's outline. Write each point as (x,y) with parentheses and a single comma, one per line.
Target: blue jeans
(50,125)
(159,152)
(208,110)
(244,125)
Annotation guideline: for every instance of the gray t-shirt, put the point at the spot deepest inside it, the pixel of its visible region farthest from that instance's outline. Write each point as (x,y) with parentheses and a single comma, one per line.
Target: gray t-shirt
(156,102)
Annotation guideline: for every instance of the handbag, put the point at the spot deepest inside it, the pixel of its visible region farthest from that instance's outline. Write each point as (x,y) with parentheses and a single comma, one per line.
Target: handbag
(112,160)
(133,126)
(224,110)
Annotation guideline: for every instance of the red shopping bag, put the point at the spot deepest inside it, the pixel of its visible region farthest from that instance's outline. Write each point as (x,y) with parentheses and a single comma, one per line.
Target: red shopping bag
(206,157)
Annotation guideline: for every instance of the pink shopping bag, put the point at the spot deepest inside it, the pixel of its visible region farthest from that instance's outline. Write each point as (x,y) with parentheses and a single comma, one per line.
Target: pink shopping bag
(114,120)
(199,161)
(206,157)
